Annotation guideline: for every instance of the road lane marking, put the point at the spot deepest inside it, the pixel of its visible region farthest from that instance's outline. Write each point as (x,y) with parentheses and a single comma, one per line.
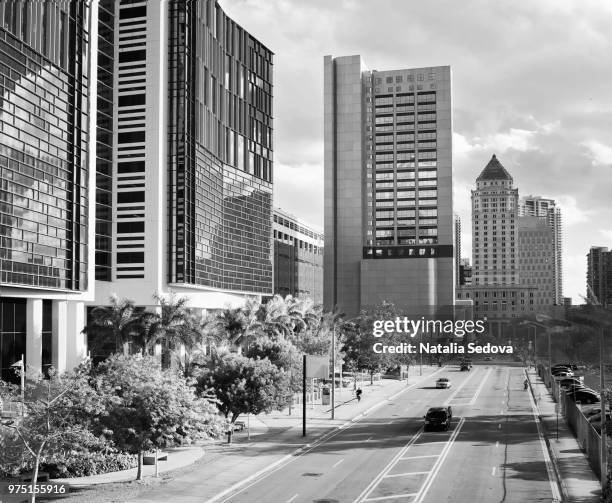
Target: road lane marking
(420,457)
(395,496)
(497,444)
(477,394)
(372,485)
(368,439)
(436,468)
(554,483)
(390,422)
(407,474)
(337,463)
(499,426)
(461,386)
(292,498)
(493,471)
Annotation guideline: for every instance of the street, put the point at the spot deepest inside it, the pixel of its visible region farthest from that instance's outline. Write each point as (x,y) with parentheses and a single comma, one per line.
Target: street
(492,452)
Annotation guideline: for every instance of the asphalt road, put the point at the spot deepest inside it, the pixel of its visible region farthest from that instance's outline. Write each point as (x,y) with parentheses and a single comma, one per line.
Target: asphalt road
(492,453)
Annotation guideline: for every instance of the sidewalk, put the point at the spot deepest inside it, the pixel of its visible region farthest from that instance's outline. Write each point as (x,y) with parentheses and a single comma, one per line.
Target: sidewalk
(274,438)
(578,482)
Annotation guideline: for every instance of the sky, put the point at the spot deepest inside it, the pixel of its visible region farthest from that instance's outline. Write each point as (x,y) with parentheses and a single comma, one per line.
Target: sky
(531,84)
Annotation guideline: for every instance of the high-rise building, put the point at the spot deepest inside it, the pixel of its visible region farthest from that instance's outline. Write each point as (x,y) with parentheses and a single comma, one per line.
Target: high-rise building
(494,227)
(537,258)
(47,173)
(599,275)
(388,186)
(496,288)
(191,179)
(298,257)
(537,206)
(465,273)
(457,249)
(181,165)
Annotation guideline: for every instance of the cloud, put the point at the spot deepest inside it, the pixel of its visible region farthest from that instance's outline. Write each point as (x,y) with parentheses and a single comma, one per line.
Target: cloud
(601,154)
(607,233)
(571,214)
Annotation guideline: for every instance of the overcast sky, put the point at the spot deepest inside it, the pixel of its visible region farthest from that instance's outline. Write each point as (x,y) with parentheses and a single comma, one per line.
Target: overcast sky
(532,83)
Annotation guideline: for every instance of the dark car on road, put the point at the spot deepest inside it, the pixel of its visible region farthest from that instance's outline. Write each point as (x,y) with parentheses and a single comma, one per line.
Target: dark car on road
(438,418)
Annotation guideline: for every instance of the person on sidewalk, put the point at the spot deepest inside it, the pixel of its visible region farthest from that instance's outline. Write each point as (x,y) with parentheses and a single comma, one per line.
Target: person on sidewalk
(358,394)
(526,383)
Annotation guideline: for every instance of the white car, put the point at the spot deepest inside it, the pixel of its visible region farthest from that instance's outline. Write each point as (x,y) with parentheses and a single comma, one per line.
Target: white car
(443,382)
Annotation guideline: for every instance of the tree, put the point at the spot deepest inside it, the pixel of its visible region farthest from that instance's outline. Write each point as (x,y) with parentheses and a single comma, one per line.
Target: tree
(58,414)
(243,385)
(359,340)
(117,324)
(150,408)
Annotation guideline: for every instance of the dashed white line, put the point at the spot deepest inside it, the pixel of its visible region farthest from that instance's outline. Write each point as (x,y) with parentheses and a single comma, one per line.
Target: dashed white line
(499,426)
(337,463)
(395,496)
(420,457)
(292,498)
(493,471)
(407,474)
(497,444)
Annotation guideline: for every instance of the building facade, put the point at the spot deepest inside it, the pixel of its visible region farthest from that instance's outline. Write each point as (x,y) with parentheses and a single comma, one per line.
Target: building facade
(174,194)
(298,258)
(537,258)
(599,275)
(389,225)
(192,156)
(537,206)
(47,173)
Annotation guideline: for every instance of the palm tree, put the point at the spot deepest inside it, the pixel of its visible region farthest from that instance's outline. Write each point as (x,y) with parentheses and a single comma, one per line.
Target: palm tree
(275,318)
(117,324)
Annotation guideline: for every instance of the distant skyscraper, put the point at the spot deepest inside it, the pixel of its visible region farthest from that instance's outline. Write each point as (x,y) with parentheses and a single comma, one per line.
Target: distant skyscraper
(537,257)
(537,206)
(599,275)
(457,249)
(388,186)
(298,258)
(494,222)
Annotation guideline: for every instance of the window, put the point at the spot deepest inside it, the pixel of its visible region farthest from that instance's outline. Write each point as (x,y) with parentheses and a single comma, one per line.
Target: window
(130,227)
(133,12)
(131,137)
(131,167)
(130,197)
(398,78)
(131,100)
(389,80)
(130,257)
(131,56)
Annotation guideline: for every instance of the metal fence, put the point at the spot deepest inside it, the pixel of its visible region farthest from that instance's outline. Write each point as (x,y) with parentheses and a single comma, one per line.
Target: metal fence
(587,436)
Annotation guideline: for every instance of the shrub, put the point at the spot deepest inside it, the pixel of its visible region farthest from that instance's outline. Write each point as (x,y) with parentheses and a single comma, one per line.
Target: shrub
(82,464)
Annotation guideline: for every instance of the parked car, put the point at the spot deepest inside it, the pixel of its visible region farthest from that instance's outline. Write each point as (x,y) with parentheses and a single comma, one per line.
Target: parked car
(487,358)
(569,373)
(438,418)
(585,396)
(443,382)
(593,411)
(569,381)
(569,366)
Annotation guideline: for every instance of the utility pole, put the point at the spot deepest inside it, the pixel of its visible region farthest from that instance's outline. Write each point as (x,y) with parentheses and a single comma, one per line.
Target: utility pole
(333,372)
(604,432)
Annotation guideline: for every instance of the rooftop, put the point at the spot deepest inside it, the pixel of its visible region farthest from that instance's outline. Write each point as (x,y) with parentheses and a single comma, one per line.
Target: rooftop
(494,171)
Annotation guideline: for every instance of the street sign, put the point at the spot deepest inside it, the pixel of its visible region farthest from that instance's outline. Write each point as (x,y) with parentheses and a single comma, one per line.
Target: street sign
(317,366)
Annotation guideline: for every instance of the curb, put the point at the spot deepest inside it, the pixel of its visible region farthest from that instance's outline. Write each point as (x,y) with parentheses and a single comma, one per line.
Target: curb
(551,451)
(308,447)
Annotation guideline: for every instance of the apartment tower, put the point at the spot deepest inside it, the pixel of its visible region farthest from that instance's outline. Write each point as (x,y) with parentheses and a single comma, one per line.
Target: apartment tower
(389,225)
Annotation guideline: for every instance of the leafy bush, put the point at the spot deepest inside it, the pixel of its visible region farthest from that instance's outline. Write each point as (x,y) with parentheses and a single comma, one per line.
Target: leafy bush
(82,464)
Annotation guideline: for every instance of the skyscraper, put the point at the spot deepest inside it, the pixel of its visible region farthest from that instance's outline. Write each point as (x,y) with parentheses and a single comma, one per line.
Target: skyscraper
(181,165)
(546,208)
(191,180)
(494,227)
(599,275)
(537,257)
(47,173)
(388,186)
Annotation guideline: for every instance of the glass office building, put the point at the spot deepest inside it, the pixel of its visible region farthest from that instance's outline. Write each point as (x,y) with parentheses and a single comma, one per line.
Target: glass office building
(44,172)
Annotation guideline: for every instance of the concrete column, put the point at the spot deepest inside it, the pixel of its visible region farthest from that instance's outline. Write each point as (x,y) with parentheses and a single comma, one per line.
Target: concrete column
(76,342)
(59,350)
(34,309)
